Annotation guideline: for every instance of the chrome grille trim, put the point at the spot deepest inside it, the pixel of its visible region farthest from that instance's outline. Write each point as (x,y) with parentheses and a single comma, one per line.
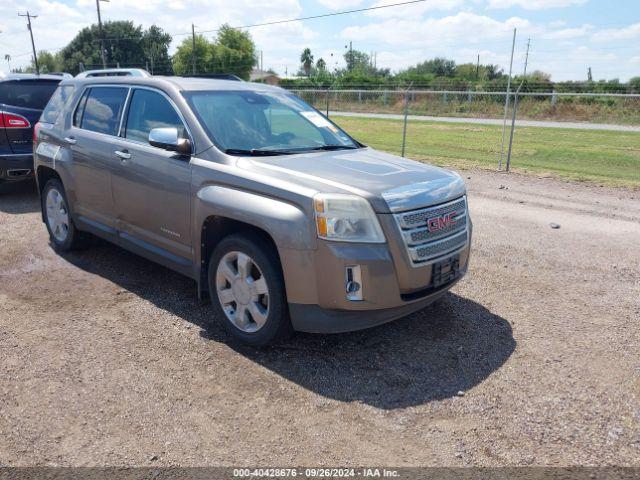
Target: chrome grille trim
(424,246)
(430,251)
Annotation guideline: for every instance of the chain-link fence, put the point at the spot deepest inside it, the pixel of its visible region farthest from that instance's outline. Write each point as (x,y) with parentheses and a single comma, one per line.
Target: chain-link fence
(575,134)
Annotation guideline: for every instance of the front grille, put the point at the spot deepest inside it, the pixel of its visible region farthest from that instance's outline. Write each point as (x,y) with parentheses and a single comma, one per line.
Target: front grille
(431,233)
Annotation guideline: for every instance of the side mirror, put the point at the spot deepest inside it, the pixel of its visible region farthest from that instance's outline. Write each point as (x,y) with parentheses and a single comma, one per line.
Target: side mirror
(167,138)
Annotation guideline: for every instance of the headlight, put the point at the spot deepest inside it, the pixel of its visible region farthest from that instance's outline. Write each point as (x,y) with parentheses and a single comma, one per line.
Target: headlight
(346,218)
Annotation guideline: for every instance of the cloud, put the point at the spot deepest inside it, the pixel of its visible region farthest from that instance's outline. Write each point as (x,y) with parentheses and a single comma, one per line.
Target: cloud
(611,34)
(340,4)
(58,23)
(567,33)
(535,4)
(464,27)
(414,10)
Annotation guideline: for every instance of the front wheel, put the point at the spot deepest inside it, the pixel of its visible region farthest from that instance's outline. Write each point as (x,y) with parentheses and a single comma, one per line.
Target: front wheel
(55,209)
(247,290)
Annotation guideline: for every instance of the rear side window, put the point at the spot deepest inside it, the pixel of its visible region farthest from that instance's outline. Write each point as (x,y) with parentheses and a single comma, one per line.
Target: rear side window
(103,109)
(27,93)
(57,104)
(149,110)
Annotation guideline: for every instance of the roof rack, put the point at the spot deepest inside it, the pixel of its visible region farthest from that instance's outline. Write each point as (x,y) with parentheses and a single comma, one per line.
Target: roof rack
(114,72)
(217,76)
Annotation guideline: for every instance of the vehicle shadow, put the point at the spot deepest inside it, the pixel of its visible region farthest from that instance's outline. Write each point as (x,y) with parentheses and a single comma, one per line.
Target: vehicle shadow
(19,197)
(449,347)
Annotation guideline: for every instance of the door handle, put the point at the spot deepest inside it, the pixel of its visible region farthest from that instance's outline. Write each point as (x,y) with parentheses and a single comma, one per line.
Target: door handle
(70,140)
(123,154)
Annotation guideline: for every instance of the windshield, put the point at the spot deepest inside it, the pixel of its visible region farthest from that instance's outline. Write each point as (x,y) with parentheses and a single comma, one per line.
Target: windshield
(246,122)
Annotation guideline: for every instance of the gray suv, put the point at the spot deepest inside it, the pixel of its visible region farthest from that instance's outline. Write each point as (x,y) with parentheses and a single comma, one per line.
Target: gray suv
(284,221)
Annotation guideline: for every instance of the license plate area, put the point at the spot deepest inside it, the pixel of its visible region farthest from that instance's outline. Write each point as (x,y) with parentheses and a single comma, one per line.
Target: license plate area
(445,271)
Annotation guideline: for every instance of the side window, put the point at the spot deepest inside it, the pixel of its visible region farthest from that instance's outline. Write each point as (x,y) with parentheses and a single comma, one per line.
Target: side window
(103,109)
(149,110)
(57,104)
(77,115)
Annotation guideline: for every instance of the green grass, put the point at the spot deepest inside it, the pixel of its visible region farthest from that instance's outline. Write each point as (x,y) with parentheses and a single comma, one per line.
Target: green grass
(611,158)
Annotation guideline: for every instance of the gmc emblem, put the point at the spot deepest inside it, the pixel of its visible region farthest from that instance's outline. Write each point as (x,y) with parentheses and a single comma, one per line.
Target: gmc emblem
(441,222)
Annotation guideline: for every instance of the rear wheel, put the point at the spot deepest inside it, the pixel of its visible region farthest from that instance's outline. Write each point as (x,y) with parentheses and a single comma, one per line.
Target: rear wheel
(247,290)
(55,209)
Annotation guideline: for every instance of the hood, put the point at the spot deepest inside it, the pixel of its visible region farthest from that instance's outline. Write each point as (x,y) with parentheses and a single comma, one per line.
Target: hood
(389,182)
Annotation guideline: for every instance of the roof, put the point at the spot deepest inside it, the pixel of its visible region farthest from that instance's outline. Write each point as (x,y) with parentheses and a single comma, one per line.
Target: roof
(180,83)
(32,76)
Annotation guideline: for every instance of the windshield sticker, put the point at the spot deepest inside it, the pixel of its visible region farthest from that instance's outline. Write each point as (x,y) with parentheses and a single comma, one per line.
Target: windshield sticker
(317,119)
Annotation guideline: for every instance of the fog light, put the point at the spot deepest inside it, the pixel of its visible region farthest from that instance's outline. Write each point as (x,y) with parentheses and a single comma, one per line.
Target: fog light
(353,283)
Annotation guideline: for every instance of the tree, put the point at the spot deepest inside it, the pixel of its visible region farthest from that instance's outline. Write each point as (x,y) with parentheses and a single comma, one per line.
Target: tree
(634,83)
(233,52)
(47,62)
(306,58)
(155,44)
(182,59)
(124,45)
(321,65)
(357,60)
(440,67)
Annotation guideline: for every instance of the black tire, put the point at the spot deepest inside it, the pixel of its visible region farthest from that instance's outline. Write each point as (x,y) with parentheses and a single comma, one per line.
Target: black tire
(74,239)
(277,326)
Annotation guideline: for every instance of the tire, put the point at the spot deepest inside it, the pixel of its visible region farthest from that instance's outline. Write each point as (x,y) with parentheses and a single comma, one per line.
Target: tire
(253,309)
(63,233)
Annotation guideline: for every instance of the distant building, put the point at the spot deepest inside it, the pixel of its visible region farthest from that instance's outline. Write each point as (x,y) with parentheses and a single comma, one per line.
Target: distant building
(264,77)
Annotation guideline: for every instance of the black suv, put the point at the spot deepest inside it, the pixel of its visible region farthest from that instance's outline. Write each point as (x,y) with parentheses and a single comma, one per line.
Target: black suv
(22,99)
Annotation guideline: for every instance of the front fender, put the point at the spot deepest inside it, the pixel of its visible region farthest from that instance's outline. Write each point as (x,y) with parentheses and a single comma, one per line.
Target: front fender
(287,224)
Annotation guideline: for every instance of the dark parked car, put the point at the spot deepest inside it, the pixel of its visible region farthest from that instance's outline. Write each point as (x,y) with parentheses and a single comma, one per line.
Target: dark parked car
(22,99)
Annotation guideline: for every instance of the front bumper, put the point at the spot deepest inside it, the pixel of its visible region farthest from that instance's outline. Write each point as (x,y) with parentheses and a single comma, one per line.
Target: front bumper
(315,319)
(16,167)
(391,287)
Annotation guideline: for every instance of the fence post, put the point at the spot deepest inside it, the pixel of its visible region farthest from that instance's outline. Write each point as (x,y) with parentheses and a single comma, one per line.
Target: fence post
(404,126)
(554,98)
(513,126)
(327,101)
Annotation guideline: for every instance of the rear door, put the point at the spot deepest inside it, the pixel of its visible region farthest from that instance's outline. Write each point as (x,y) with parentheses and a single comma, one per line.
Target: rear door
(91,139)
(22,99)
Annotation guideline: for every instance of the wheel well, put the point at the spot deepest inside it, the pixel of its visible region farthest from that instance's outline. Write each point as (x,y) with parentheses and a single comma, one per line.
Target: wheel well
(43,175)
(214,229)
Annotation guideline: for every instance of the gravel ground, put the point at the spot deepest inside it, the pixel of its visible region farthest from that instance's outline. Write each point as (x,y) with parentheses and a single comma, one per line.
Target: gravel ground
(107,359)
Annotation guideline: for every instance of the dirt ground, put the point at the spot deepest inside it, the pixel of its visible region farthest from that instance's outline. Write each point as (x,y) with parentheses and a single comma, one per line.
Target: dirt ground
(108,359)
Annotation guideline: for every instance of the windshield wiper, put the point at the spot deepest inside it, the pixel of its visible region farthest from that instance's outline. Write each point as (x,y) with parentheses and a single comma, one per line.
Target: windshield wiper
(256,152)
(334,147)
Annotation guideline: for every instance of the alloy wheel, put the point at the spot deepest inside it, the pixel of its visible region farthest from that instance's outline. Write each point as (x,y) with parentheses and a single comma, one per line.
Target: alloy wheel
(243,291)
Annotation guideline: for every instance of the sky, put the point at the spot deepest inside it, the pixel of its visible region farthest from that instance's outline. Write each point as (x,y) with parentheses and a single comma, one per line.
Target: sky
(567,36)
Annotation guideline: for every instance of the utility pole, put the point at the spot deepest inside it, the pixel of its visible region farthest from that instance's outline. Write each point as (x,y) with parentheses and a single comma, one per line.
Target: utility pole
(33,45)
(526,58)
(193,51)
(102,50)
(478,67)
(261,61)
(506,101)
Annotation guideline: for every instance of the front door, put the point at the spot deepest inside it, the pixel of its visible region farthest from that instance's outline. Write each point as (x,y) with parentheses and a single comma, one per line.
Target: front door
(152,186)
